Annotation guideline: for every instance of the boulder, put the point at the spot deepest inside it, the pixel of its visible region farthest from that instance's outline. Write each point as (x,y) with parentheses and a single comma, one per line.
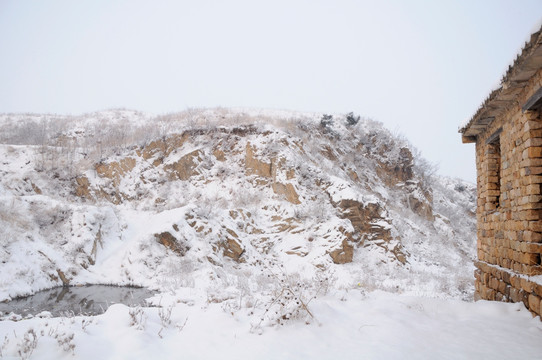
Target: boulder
(344,254)
(170,242)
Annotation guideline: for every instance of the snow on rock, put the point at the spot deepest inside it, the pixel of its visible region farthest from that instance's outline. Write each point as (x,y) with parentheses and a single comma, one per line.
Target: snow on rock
(216,193)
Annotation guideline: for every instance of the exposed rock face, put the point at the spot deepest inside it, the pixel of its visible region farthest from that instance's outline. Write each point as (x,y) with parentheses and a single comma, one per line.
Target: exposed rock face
(171,243)
(154,148)
(115,170)
(288,191)
(367,220)
(399,173)
(185,167)
(232,247)
(419,201)
(255,166)
(344,254)
(396,170)
(82,187)
(219,155)
(271,162)
(161,148)
(403,170)
(372,227)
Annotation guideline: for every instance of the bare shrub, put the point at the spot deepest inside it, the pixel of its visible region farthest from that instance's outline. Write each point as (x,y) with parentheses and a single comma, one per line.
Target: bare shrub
(65,341)
(27,345)
(290,298)
(138,318)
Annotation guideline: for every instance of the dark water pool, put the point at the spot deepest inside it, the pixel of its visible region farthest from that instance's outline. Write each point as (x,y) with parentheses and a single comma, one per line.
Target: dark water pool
(76,300)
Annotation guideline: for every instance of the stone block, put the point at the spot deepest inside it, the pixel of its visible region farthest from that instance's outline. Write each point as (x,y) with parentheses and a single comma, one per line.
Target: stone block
(534,304)
(535,226)
(532,248)
(502,287)
(532,125)
(532,270)
(533,142)
(530,236)
(515,295)
(526,285)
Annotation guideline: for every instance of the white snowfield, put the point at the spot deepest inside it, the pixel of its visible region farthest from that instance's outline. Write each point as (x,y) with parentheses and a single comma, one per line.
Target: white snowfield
(406,293)
(345,326)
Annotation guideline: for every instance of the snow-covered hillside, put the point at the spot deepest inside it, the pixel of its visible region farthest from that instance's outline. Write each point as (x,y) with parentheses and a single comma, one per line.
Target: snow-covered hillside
(268,218)
(227,202)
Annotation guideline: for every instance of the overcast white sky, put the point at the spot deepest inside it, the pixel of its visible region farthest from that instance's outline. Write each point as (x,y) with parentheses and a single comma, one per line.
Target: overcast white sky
(420,67)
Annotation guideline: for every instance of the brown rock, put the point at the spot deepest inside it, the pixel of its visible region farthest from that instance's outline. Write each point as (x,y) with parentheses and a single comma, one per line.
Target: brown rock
(232,249)
(254,166)
(63,278)
(219,155)
(397,251)
(184,169)
(344,254)
(36,189)
(157,146)
(82,187)
(366,220)
(115,170)
(399,171)
(170,242)
(288,191)
(534,304)
(422,208)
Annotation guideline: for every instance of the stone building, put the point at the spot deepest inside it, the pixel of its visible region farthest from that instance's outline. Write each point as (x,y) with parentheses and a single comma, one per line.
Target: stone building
(507,130)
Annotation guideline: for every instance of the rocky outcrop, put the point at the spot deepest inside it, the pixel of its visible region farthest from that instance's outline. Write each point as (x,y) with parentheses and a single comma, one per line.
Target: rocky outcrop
(371,227)
(82,187)
(396,171)
(115,170)
(286,190)
(231,246)
(419,201)
(161,148)
(219,155)
(169,241)
(368,220)
(185,167)
(344,254)
(255,166)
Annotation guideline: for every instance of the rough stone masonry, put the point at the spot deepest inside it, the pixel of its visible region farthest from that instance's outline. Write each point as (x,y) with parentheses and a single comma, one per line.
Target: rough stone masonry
(507,131)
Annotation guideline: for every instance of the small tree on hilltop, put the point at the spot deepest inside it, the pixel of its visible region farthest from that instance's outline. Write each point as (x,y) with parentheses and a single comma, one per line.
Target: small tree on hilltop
(326,121)
(351,119)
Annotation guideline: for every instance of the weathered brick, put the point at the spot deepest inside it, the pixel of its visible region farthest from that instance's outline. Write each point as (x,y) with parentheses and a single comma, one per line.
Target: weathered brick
(533,142)
(534,304)
(535,226)
(530,236)
(515,295)
(509,204)
(534,152)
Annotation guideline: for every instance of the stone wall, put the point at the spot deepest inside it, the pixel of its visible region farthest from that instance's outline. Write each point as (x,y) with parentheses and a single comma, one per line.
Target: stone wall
(509,208)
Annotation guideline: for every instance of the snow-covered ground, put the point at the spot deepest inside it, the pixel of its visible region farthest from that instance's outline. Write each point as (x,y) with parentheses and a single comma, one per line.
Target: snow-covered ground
(350,325)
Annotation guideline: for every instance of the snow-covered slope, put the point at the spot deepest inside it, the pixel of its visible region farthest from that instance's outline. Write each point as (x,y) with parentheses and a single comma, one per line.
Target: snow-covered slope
(235,206)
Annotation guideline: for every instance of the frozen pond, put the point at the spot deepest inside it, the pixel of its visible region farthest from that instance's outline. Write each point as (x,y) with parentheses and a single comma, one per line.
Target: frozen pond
(76,300)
